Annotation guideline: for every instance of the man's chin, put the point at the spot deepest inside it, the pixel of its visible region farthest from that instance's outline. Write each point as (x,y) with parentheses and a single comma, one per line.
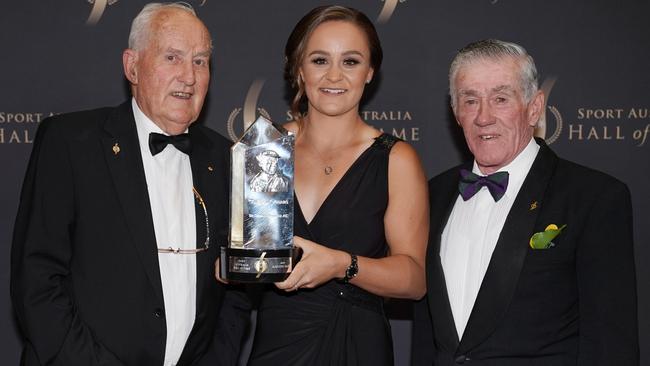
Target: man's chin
(176,125)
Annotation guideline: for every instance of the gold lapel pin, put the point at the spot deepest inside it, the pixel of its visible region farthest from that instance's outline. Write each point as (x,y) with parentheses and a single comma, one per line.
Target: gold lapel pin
(116,148)
(533,205)
(210,168)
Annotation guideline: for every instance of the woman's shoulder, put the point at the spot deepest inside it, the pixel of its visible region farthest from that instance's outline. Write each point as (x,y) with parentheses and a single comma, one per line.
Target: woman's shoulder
(403,156)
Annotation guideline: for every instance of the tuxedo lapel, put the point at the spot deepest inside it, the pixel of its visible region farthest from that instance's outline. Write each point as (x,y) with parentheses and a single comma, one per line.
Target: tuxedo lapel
(443,198)
(202,176)
(502,275)
(124,160)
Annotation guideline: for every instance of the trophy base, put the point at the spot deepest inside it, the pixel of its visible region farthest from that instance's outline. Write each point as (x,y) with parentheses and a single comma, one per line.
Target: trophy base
(257,265)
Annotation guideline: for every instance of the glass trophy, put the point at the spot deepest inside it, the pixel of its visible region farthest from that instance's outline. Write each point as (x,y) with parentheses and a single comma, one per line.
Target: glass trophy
(260,245)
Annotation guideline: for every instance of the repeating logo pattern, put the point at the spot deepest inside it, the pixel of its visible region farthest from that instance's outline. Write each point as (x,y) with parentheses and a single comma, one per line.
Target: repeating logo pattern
(388,10)
(542,128)
(98,10)
(99,6)
(250,109)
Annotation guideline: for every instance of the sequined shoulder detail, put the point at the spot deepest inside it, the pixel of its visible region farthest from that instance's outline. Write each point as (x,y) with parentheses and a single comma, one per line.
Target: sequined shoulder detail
(386,141)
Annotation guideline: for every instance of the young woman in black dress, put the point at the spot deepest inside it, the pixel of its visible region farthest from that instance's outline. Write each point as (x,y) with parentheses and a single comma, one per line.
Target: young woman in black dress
(361,207)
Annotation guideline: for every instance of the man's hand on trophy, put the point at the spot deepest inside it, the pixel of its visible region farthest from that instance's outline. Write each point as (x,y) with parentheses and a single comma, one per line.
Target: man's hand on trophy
(318,265)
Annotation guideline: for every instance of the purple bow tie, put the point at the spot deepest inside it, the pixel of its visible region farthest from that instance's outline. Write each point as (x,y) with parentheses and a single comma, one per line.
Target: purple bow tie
(471,183)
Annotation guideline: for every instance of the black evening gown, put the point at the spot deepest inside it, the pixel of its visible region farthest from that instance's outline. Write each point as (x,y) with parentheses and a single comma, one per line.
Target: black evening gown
(335,324)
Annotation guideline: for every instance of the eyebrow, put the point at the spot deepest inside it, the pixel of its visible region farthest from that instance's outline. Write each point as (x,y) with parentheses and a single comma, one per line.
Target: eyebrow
(468,92)
(503,88)
(497,89)
(179,52)
(203,54)
(346,53)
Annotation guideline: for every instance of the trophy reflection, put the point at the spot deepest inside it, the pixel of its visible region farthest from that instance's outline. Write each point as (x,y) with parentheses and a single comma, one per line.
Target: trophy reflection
(260,246)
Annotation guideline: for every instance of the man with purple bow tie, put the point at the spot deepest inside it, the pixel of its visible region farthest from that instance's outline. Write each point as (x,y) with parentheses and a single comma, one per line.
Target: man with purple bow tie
(530,257)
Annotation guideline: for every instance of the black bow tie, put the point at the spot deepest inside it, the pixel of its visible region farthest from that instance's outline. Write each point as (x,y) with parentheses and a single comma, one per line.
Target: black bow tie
(158,142)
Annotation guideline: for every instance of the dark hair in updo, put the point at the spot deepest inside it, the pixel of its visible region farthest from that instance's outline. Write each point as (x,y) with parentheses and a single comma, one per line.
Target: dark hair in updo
(294,51)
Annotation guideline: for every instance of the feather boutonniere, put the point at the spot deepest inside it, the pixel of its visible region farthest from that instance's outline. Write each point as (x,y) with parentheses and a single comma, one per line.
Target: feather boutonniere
(543,240)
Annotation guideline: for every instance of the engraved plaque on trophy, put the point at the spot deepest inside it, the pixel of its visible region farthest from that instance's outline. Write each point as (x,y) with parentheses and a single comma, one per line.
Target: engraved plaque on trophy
(260,246)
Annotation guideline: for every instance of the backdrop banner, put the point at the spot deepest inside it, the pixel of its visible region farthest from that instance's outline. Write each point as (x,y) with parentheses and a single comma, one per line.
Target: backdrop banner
(63,56)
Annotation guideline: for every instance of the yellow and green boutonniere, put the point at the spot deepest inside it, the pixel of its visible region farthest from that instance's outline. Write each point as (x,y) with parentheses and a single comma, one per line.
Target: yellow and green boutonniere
(543,239)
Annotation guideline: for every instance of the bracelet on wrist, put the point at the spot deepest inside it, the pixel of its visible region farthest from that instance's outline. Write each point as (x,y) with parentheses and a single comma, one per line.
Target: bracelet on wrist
(352,270)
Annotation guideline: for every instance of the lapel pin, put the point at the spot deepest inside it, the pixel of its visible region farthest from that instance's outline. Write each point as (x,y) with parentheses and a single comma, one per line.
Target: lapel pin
(210,168)
(116,148)
(533,205)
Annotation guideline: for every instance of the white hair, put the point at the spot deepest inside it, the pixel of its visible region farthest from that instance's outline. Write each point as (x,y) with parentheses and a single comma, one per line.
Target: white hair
(494,49)
(141,25)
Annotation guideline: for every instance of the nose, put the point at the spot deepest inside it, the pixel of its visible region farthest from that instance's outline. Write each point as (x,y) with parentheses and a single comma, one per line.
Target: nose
(187,74)
(485,116)
(334,73)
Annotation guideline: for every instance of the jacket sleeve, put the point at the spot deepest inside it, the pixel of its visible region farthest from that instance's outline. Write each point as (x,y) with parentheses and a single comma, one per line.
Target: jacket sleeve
(422,346)
(607,282)
(232,330)
(42,248)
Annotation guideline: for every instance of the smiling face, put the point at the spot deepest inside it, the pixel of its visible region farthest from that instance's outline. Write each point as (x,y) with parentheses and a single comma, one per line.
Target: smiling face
(170,76)
(496,120)
(335,68)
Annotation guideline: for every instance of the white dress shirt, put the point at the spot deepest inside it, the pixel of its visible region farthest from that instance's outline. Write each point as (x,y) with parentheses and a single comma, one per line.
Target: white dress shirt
(169,183)
(471,234)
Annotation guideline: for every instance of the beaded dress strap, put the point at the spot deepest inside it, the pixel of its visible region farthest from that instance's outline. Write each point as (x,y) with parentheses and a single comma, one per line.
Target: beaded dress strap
(386,141)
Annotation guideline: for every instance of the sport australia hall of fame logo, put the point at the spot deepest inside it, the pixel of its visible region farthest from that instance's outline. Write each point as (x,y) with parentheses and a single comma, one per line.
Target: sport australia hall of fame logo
(250,110)
(99,6)
(543,128)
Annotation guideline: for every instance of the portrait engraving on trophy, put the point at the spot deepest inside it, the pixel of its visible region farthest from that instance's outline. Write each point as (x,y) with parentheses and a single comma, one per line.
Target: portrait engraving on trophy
(269,178)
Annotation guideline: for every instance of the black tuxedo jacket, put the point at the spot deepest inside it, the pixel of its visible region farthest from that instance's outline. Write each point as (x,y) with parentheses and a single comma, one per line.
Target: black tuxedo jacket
(85,279)
(572,304)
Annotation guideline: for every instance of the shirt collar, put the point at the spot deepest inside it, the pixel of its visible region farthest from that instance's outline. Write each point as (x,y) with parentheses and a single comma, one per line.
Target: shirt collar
(144,126)
(518,168)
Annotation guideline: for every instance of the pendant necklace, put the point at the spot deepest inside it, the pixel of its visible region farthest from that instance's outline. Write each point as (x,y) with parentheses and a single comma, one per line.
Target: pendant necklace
(328,169)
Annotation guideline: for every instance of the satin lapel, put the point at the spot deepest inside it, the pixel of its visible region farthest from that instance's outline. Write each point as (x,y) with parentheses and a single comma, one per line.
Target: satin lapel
(203,171)
(443,198)
(124,161)
(502,275)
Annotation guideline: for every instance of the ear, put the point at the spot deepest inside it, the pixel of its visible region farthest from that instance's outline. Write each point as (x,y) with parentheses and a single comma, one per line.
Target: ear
(535,108)
(129,62)
(371,73)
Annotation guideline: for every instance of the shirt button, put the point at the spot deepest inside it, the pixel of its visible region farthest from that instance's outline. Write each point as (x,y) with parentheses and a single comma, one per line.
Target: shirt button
(158,313)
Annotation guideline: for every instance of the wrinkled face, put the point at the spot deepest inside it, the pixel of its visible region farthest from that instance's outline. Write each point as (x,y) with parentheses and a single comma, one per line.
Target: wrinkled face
(490,108)
(170,76)
(335,68)
(268,164)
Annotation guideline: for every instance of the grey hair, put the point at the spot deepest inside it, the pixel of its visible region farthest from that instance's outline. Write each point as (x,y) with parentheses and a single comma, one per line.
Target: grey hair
(140,27)
(494,49)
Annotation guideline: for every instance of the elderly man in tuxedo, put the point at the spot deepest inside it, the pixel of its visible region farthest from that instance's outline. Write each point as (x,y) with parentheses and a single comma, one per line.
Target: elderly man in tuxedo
(120,217)
(530,256)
